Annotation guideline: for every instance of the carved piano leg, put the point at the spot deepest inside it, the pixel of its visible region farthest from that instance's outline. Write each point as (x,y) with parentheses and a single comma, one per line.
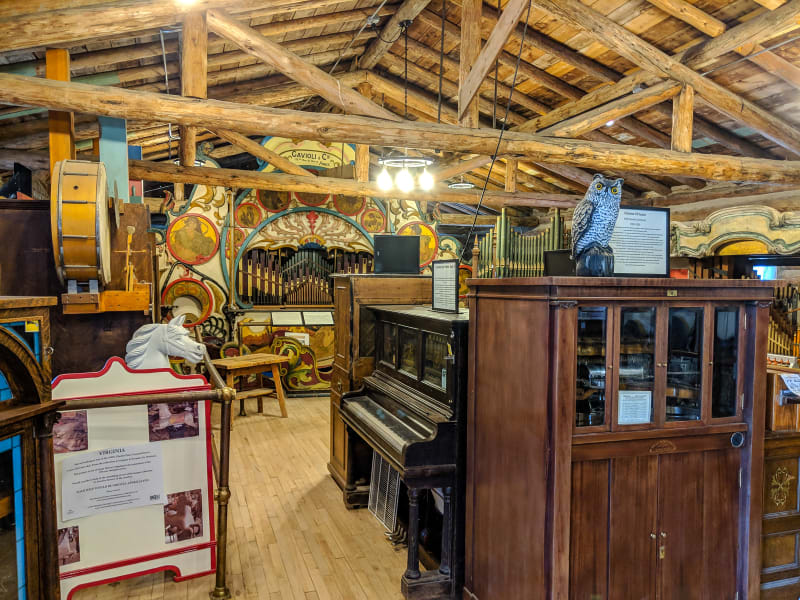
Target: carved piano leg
(412,571)
(447,531)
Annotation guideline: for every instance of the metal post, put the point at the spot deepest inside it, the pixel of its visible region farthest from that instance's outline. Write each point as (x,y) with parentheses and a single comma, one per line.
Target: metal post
(222,496)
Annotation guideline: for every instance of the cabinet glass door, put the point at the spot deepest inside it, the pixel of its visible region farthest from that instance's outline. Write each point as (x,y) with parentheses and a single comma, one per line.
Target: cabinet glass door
(726,357)
(590,385)
(684,364)
(637,356)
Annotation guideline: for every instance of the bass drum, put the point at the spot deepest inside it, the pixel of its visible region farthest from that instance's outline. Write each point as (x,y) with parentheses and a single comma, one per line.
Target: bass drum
(79,221)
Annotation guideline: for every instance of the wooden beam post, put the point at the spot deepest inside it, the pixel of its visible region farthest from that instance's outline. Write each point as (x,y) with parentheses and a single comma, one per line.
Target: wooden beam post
(494,46)
(511,175)
(62,124)
(682,118)
(294,67)
(362,150)
(470,48)
(194,70)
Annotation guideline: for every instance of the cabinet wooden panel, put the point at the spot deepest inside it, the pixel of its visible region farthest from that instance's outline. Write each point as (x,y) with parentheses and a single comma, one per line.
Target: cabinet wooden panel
(589,530)
(679,454)
(632,520)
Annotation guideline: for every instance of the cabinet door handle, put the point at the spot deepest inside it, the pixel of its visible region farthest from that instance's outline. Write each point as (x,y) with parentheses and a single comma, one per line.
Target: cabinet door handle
(663,534)
(653,536)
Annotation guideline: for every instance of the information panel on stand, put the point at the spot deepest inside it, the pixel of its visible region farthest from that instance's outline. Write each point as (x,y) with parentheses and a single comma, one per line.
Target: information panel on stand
(133,483)
(641,242)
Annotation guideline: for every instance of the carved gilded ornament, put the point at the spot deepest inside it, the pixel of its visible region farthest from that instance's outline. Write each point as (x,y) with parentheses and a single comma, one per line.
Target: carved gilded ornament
(779,232)
(779,486)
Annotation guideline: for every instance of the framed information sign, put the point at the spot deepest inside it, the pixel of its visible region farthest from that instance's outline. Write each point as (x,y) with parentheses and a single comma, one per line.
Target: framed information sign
(445,285)
(641,242)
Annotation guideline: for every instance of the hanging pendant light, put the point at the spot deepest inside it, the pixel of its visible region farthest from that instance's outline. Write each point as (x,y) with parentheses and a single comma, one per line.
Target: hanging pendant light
(385,180)
(426,181)
(461,185)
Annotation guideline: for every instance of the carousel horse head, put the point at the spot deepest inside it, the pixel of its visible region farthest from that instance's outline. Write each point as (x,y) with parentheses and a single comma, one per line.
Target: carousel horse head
(152,345)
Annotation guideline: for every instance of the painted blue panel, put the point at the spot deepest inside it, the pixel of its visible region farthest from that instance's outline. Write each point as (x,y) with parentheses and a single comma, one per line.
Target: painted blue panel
(17,462)
(5,390)
(19,516)
(114,154)
(5,445)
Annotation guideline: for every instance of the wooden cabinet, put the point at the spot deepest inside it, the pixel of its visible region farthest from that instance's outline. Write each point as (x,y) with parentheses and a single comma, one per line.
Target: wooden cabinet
(354,356)
(27,497)
(611,447)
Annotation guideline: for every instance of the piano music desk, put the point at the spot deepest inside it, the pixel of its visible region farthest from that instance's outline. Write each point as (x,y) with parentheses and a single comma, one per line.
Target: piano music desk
(254,364)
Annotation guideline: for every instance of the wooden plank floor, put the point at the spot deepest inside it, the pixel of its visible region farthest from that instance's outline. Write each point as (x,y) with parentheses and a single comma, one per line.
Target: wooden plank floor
(290,536)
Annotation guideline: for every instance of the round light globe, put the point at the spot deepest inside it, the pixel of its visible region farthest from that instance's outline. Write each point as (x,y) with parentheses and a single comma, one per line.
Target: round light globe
(384,180)
(426,181)
(404,181)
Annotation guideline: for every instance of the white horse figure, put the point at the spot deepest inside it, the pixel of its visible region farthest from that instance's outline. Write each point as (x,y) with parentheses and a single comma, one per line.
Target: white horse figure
(152,345)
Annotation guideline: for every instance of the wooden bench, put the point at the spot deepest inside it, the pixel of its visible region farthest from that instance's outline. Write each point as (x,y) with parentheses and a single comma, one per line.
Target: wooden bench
(254,364)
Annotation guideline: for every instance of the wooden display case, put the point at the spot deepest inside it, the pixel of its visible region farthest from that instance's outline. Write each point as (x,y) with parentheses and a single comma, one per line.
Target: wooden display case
(614,437)
(354,356)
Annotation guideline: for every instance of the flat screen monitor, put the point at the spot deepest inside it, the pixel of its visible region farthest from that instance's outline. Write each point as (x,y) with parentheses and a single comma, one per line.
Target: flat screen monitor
(398,254)
(558,262)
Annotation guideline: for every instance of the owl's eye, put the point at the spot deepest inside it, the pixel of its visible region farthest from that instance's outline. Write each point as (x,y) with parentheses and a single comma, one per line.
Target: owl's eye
(614,190)
(598,186)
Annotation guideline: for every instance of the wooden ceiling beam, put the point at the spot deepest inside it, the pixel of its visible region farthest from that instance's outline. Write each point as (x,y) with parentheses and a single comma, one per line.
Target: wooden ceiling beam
(459,167)
(682,120)
(489,53)
(294,67)
(282,182)
(710,25)
(391,32)
(60,95)
(638,51)
(259,151)
(469,114)
(77,24)
(487,87)
(746,36)
(616,109)
(449,88)
(771,4)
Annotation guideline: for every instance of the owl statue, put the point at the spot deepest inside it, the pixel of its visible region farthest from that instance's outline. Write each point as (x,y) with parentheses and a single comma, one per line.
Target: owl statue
(592,225)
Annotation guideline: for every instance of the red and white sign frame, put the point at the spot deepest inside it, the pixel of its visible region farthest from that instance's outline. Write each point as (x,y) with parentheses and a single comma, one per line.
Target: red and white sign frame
(144,552)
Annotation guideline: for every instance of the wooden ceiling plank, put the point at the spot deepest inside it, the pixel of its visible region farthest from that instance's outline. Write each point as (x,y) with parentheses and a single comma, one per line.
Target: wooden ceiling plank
(490,52)
(60,95)
(771,4)
(391,32)
(651,58)
(294,67)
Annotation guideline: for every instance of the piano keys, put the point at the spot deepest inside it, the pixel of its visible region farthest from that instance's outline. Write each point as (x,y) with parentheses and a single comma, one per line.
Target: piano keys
(412,411)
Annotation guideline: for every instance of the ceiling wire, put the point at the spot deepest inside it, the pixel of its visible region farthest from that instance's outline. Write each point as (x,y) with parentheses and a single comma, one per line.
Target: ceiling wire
(502,131)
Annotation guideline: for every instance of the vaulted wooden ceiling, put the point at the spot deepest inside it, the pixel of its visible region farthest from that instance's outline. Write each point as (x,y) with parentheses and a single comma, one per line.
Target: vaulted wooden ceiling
(598,70)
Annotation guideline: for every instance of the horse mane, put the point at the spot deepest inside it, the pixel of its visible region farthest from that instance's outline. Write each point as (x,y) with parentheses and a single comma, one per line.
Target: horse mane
(136,348)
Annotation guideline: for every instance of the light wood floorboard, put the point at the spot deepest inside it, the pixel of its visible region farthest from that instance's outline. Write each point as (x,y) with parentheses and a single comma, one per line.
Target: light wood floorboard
(290,536)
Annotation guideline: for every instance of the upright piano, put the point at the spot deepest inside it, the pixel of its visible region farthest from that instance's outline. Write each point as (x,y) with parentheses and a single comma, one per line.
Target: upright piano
(412,411)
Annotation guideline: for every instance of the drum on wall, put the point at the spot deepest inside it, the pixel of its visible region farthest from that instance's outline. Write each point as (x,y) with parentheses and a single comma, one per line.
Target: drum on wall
(79,221)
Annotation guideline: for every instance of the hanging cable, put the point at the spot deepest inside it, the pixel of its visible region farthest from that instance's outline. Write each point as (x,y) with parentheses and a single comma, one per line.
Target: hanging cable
(502,131)
(405,70)
(441,63)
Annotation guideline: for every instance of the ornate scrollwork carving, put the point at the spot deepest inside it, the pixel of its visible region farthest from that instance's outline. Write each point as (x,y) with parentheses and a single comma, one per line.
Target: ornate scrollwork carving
(779,486)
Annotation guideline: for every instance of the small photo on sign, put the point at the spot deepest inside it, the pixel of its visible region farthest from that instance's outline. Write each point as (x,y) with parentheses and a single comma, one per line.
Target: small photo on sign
(172,421)
(69,546)
(71,432)
(183,516)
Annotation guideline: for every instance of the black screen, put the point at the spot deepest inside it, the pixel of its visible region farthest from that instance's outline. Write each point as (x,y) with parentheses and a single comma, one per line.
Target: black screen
(397,254)
(558,262)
